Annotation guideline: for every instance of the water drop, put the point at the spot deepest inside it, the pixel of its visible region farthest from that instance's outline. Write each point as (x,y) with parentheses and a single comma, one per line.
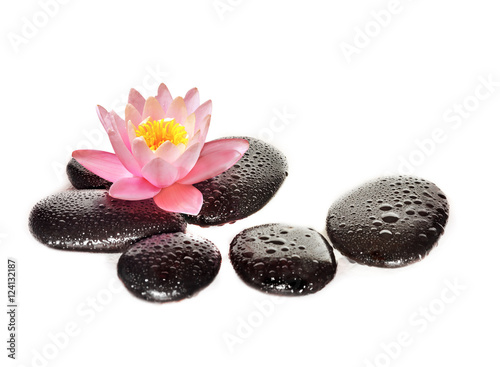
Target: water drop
(390,217)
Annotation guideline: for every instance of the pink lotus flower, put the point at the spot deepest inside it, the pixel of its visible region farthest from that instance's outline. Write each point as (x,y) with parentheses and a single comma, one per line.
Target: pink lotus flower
(160,150)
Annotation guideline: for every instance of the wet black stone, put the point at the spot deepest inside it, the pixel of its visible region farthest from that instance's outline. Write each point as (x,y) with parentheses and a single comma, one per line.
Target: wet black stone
(280,259)
(243,189)
(91,220)
(169,267)
(389,222)
(82,178)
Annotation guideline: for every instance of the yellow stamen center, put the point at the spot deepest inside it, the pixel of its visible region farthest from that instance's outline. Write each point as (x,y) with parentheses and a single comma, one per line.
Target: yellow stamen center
(158,132)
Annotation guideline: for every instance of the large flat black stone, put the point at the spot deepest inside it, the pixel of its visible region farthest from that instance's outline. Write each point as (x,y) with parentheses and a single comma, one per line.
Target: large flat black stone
(91,220)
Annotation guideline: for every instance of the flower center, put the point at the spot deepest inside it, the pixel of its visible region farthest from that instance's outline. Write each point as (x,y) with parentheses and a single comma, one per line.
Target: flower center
(158,132)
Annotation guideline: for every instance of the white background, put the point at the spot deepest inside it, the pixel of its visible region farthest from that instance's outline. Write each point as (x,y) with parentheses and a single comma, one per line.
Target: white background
(352,121)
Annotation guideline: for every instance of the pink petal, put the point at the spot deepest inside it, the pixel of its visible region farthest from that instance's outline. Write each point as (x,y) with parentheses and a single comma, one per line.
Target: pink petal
(180,199)
(153,110)
(164,97)
(192,100)
(103,164)
(201,112)
(131,114)
(111,121)
(133,188)
(123,153)
(204,126)
(104,117)
(169,152)
(118,120)
(119,125)
(159,172)
(177,110)
(189,125)
(136,100)
(241,145)
(211,165)
(131,133)
(188,159)
(195,139)
(141,151)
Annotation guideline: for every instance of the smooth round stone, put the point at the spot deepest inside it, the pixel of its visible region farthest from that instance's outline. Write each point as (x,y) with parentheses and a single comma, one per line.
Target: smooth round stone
(91,220)
(280,259)
(169,267)
(243,189)
(389,222)
(82,178)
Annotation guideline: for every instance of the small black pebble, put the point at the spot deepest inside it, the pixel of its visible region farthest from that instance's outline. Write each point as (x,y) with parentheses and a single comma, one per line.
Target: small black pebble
(82,178)
(244,188)
(91,220)
(281,259)
(169,267)
(389,222)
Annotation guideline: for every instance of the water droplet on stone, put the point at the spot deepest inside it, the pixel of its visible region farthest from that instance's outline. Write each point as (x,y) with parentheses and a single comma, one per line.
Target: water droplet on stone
(82,178)
(390,217)
(156,276)
(244,188)
(385,233)
(376,247)
(278,242)
(422,237)
(296,270)
(90,220)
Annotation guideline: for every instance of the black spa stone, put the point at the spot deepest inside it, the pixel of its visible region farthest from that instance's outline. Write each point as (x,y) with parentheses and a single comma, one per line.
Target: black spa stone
(243,189)
(280,259)
(169,267)
(91,220)
(389,222)
(82,178)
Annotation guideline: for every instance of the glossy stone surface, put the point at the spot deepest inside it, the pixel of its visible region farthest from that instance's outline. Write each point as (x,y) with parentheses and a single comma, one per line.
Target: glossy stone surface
(243,189)
(389,222)
(280,259)
(91,220)
(82,178)
(169,267)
